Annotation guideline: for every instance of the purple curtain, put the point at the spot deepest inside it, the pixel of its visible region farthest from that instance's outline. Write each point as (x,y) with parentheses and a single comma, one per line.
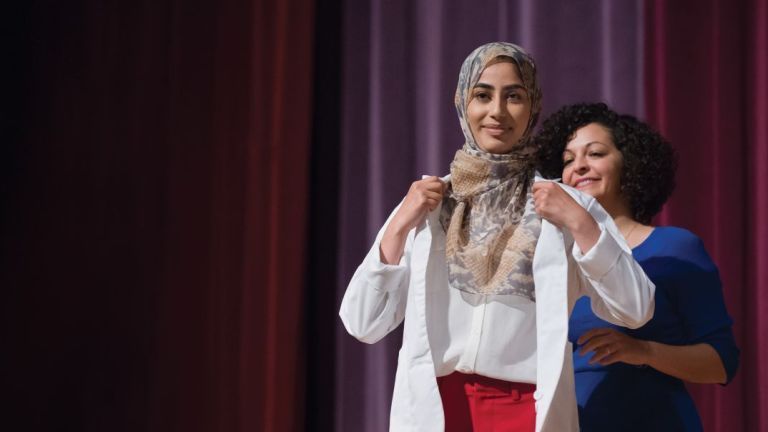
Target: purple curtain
(400,64)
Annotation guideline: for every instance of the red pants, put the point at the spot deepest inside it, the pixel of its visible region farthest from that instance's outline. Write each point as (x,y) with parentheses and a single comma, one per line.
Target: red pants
(478,403)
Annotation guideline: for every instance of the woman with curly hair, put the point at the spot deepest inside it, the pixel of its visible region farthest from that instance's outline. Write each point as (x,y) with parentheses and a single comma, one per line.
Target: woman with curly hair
(633,379)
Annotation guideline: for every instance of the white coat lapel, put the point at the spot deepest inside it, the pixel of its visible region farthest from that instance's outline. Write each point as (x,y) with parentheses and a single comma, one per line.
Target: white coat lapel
(425,404)
(550,272)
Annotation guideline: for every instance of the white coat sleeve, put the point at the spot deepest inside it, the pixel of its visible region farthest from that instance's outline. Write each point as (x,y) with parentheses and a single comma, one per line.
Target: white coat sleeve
(619,289)
(374,302)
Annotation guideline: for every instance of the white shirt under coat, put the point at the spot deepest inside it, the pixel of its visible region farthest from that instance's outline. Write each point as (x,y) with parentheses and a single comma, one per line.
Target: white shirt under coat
(492,335)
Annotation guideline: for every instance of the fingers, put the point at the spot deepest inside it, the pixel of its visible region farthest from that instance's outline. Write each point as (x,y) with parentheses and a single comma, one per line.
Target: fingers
(425,195)
(610,359)
(603,354)
(612,346)
(432,203)
(547,201)
(595,344)
(543,186)
(432,195)
(432,199)
(603,346)
(592,333)
(608,345)
(433,184)
(597,339)
(541,190)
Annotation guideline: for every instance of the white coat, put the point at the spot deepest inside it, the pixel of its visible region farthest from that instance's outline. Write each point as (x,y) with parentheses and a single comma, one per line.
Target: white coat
(375,304)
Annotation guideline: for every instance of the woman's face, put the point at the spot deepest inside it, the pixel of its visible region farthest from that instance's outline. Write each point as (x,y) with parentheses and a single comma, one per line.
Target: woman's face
(499,109)
(592,164)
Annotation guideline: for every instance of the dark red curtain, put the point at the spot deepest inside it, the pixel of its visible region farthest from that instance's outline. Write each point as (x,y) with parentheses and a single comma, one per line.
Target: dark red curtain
(707,91)
(154,189)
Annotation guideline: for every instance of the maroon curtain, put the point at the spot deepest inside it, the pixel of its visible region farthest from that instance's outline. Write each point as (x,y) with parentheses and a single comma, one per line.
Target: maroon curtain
(707,91)
(153,225)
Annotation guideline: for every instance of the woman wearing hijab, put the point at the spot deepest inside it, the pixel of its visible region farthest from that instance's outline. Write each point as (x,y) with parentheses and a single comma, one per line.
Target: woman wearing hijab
(632,380)
(484,266)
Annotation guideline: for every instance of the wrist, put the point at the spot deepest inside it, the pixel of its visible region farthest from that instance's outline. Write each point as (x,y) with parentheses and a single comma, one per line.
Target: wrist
(393,242)
(648,352)
(582,222)
(397,229)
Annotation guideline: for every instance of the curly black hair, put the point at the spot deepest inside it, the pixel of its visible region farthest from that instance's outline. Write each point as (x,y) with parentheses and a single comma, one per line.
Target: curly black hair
(649,161)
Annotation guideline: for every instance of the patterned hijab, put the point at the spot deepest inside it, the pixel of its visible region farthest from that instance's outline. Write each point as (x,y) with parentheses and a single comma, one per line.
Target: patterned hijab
(491,228)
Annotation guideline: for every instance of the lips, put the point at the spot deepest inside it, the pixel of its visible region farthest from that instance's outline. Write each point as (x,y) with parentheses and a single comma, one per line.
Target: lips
(584,182)
(495,129)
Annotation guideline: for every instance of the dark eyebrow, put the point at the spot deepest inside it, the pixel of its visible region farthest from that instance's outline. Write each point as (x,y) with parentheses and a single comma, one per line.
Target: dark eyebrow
(587,145)
(509,87)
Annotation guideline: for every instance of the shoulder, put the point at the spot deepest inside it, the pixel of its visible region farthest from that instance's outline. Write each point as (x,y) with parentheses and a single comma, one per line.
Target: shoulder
(684,244)
(680,238)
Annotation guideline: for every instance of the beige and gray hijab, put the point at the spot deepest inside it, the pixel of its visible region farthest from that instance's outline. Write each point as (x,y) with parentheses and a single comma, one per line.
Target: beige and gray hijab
(491,227)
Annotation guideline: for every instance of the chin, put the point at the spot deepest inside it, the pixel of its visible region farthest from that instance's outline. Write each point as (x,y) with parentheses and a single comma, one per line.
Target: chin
(496,148)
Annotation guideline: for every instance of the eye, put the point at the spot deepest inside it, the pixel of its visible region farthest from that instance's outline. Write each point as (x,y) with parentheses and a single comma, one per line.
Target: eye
(482,96)
(596,154)
(566,162)
(516,96)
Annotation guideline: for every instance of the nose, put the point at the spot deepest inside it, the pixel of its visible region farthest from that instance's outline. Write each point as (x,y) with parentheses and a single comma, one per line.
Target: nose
(579,165)
(498,107)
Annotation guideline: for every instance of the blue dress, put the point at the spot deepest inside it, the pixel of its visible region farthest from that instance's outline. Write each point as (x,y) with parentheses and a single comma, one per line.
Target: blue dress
(689,309)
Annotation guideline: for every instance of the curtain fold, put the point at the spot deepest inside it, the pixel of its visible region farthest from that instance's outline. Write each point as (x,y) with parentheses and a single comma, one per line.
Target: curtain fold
(706,90)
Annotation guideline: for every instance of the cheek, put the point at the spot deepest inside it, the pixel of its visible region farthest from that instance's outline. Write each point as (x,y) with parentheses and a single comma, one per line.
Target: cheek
(474,115)
(617,182)
(566,175)
(521,113)
(614,168)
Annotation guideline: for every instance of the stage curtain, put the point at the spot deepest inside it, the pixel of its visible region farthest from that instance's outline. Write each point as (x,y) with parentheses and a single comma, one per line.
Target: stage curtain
(155,170)
(706,89)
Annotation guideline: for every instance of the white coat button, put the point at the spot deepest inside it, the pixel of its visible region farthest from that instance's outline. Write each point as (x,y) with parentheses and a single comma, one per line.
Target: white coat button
(537,395)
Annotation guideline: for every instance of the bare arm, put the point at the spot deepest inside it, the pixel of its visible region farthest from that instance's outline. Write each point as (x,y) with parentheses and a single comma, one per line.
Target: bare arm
(698,363)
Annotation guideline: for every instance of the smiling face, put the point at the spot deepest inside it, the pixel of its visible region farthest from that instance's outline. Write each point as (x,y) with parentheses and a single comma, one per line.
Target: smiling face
(592,164)
(499,108)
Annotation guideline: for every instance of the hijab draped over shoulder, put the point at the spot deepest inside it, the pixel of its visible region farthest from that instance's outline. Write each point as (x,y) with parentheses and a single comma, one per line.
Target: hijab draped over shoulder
(491,227)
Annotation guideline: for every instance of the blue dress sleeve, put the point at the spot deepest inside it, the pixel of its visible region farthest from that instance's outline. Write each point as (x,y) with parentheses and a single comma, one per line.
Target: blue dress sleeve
(701,303)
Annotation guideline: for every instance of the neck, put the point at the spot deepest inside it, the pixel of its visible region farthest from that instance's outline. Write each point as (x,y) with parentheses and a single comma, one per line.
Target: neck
(624,223)
(621,214)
